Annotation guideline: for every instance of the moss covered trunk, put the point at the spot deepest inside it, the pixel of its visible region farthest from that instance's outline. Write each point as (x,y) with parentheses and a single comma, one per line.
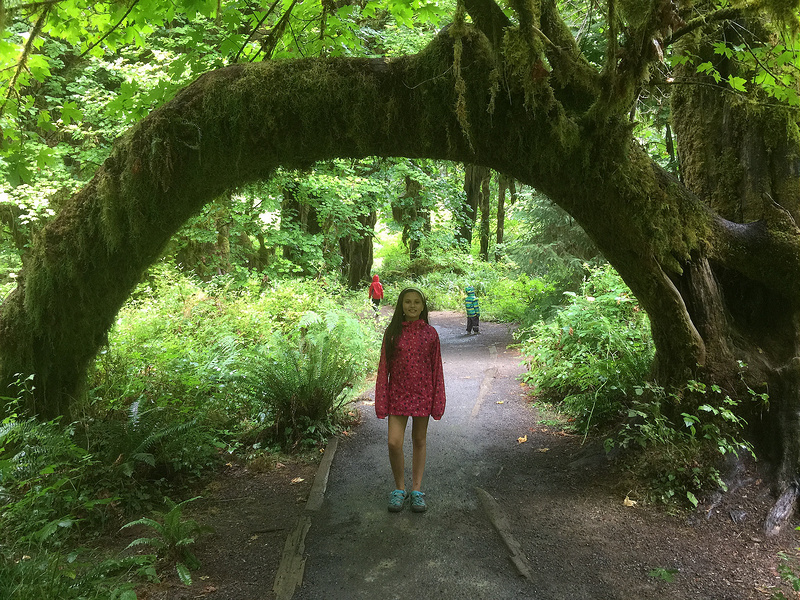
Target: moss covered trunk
(743,158)
(357,254)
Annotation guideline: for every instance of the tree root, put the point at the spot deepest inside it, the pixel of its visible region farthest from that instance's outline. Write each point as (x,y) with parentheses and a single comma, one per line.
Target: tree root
(782,510)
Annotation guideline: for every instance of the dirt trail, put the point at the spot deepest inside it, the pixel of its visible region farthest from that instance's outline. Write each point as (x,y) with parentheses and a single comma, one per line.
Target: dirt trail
(558,502)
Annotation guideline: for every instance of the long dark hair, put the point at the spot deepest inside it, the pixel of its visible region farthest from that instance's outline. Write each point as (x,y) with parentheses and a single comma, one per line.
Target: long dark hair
(395,327)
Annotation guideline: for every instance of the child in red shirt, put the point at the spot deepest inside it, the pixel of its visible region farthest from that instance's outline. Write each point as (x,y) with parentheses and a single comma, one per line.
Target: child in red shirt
(376,292)
(410,383)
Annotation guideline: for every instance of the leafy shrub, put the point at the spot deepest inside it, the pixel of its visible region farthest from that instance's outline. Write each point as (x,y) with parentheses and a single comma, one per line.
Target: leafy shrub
(191,347)
(172,536)
(504,294)
(306,380)
(592,352)
(152,447)
(790,573)
(47,574)
(518,300)
(43,487)
(681,454)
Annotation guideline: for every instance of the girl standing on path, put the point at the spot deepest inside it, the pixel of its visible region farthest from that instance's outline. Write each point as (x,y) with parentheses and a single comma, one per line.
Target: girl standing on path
(410,383)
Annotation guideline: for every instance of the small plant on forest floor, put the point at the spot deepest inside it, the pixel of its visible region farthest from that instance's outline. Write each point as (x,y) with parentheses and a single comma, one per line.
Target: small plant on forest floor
(680,459)
(788,570)
(666,575)
(173,536)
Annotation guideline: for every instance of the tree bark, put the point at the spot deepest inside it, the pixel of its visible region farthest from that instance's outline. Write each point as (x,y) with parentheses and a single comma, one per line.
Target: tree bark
(207,258)
(409,211)
(357,252)
(474,176)
(485,203)
(744,161)
(299,216)
(503,184)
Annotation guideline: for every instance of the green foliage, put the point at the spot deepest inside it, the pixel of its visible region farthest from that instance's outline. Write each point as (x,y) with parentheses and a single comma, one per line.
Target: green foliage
(173,534)
(762,68)
(187,374)
(505,295)
(592,352)
(551,245)
(666,575)
(305,381)
(788,570)
(192,355)
(43,488)
(150,451)
(75,575)
(681,454)
(49,492)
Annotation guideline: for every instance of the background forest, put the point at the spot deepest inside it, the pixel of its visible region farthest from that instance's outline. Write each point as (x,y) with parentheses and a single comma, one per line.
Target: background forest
(253,333)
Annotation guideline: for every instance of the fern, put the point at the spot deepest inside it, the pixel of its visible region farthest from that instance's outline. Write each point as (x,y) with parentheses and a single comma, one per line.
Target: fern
(305,378)
(174,535)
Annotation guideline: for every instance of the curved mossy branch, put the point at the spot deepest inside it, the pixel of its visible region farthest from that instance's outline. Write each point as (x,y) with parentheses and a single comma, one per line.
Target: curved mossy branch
(724,14)
(239,123)
(229,127)
(489,18)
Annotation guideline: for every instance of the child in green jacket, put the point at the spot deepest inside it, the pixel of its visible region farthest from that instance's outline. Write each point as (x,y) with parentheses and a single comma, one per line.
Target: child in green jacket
(473,310)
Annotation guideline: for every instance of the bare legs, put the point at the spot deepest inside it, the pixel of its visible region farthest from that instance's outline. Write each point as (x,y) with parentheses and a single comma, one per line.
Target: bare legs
(419,434)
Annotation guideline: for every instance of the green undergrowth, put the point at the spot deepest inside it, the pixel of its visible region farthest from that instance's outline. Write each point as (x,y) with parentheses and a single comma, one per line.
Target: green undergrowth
(195,374)
(202,352)
(681,440)
(588,365)
(587,357)
(504,293)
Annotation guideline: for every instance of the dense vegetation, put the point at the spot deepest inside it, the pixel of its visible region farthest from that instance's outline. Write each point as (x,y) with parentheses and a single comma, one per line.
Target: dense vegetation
(246,338)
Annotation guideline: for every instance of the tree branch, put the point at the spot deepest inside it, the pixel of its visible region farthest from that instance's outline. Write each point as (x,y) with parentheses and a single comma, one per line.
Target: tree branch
(489,18)
(32,5)
(726,14)
(37,29)
(255,29)
(268,46)
(110,31)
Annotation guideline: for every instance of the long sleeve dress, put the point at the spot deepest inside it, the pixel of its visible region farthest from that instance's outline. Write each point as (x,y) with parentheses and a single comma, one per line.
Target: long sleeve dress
(415,386)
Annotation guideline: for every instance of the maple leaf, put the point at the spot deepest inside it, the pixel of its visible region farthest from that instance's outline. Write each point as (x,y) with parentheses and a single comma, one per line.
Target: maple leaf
(523,439)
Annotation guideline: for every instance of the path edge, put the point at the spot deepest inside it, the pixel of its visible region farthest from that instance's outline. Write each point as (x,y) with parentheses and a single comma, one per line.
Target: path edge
(292,566)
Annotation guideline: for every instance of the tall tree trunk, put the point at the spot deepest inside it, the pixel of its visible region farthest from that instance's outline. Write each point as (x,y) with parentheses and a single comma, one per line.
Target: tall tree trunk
(415,218)
(503,183)
(744,161)
(357,252)
(485,203)
(207,258)
(297,215)
(473,188)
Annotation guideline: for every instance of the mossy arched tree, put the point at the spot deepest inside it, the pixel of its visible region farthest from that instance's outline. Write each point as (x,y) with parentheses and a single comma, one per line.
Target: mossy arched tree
(715,261)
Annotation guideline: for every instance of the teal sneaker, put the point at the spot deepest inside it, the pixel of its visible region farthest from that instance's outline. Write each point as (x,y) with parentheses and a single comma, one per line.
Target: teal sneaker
(397,500)
(418,502)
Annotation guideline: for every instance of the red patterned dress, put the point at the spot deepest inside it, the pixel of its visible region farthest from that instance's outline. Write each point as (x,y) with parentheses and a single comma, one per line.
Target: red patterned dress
(415,386)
